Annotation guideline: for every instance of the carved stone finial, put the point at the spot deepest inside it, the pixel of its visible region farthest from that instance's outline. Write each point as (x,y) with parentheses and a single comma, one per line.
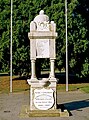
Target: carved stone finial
(41,17)
(42,21)
(41,12)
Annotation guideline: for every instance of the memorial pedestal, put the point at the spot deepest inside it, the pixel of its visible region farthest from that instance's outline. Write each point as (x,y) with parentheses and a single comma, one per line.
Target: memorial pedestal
(42,94)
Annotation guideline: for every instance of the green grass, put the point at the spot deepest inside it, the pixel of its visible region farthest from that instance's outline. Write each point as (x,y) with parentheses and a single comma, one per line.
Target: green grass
(18,85)
(85,89)
(22,85)
(73,87)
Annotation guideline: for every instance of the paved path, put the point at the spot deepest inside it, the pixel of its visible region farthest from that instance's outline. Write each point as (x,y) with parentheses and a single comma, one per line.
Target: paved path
(76,101)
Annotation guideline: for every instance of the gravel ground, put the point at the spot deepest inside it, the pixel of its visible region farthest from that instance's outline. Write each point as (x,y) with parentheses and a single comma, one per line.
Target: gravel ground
(76,102)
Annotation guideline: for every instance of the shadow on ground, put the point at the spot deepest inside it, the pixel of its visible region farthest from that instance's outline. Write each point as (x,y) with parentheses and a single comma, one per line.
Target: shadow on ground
(61,78)
(77,105)
(72,79)
(4,74)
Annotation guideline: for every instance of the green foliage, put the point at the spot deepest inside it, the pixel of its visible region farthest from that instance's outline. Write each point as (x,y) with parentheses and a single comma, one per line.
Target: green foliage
(78,41)
(4,34)
(85,69)
(24,12)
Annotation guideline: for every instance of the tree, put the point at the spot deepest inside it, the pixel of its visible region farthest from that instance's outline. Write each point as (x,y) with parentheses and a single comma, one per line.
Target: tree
(4,34)
(78,44)
(24,12)
(78,40)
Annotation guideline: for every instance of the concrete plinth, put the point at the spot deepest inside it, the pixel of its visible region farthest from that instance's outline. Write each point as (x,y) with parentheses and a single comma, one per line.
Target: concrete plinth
(26,113)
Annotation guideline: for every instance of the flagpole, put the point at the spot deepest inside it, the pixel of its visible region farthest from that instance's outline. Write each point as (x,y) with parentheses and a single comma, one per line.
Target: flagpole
(66,46)
(11,51)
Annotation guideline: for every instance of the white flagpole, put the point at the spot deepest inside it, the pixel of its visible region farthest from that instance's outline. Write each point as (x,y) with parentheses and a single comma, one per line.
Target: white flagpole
(66,46)
(11,51)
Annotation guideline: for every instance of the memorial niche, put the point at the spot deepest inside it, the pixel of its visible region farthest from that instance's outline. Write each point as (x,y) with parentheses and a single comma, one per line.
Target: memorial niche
(42,46)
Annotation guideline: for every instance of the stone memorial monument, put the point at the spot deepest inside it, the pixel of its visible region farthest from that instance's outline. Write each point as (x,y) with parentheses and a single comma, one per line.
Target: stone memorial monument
(42,38)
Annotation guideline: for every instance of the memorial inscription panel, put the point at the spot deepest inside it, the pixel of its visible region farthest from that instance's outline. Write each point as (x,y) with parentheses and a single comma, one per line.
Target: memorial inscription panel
(42,48)
(43,99)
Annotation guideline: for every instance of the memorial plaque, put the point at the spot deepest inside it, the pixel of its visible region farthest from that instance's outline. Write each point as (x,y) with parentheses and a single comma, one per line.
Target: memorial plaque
(42,48)
(43,98)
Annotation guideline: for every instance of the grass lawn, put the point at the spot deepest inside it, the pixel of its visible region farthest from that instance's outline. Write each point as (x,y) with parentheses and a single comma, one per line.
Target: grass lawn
(20,84)
(73,87)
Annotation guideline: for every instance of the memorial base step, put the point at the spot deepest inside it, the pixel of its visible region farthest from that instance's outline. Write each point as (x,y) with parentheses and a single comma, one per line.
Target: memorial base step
(26,112)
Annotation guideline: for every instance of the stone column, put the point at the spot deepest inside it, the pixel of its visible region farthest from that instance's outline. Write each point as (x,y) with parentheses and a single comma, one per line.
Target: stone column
(33,75)
(52,68)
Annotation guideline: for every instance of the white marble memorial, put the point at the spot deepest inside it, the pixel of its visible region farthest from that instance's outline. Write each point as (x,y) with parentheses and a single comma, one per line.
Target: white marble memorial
(42,38)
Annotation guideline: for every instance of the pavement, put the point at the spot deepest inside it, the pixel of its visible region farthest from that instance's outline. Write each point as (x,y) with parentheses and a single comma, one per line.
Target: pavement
(76,102)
